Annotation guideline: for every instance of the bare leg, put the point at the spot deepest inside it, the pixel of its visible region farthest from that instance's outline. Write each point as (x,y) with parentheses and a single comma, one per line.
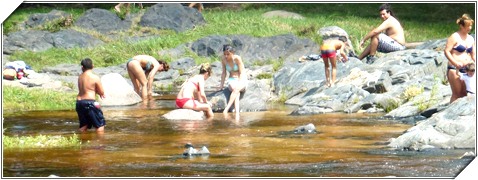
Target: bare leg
(118,7)
(365,52)
(327,72)
(333,62)
(138,78)
(373,45)
(457,86)
(100,130)
(236,105)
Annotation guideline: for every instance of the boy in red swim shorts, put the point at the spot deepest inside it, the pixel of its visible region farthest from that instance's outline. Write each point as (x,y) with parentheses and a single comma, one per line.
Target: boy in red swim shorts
(329,50)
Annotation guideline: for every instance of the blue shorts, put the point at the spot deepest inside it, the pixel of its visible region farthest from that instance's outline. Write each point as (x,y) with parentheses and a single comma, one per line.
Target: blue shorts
(89,114)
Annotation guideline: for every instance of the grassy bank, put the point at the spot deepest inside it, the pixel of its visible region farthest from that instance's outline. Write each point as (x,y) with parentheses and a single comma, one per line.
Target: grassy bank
(421,22)
(21,99)
(41,141)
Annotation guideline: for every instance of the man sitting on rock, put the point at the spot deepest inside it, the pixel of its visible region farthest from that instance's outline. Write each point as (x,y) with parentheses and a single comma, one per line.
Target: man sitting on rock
(392,40)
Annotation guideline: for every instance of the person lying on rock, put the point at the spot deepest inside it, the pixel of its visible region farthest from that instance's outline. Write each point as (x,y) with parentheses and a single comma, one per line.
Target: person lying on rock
(329,50)
(141,70)
(192,86)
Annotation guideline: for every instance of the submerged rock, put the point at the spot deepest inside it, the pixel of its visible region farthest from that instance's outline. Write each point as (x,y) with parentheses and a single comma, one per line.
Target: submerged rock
(309,128)
(190,151)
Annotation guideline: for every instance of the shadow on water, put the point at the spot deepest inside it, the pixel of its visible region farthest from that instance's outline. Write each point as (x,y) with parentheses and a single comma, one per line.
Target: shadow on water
(139,143)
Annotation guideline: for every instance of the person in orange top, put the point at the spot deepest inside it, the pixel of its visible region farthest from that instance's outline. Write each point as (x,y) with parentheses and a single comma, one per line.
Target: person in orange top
(329,50)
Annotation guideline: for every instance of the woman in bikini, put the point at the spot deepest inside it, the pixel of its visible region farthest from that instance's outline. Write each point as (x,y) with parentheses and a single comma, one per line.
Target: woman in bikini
(141,70)
(329,50)
(460,51)
(237,79)
(192,86)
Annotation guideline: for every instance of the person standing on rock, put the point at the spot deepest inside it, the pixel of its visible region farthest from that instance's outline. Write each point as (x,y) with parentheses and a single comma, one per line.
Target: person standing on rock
(460,51)
(237,80)
(329,50)
(195,85)
(392,40)
(141,70)
(88,110)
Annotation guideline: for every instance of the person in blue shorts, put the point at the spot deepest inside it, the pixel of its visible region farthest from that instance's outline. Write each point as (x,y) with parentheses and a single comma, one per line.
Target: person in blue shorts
(88,110)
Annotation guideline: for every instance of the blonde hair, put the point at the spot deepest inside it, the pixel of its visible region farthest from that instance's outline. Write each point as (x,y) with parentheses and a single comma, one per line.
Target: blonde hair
(205,67)
(464,20)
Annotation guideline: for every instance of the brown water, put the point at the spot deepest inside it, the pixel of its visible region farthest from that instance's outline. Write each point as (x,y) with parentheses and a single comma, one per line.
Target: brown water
(139,143)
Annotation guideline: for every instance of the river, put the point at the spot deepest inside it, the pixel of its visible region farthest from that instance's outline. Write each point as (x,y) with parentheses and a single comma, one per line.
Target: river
(139,143)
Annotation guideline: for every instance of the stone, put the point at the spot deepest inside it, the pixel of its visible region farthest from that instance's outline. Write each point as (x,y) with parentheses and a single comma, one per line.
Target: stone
(117,91)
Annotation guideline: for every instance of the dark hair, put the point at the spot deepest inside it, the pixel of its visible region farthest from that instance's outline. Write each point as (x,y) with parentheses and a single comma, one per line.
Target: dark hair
(205,67)
(165,65)
(464,20)
(87,63)
(227,47)
(387,7)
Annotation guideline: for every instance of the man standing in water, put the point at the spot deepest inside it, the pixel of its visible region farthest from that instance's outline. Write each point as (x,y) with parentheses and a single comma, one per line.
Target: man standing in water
(392,40)
(89,112)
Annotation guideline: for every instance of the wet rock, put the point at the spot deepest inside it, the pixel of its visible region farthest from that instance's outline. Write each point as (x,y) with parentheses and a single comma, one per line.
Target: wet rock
(184,114)
(190,151)
(309,128)
(468,155)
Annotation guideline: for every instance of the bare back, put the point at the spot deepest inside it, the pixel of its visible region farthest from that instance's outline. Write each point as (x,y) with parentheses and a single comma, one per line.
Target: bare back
(89,85)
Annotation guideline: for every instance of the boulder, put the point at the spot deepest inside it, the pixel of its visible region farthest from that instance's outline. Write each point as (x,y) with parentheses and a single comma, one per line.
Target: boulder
(41,19)
(454,127)
(117,91)
(171,16)
(184,114)
(102,21)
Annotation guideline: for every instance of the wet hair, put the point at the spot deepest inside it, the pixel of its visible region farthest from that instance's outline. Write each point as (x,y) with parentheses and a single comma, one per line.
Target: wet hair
(228,47)
(87,63)
(464,20)
(165,65)
(205,68)
(387,7)
(470,67)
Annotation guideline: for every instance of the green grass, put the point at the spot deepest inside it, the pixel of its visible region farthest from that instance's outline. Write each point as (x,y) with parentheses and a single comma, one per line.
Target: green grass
(41,141)
(421,21)
(21,99)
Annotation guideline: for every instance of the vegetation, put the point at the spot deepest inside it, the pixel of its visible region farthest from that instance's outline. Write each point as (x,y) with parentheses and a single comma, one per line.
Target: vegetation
(17,98)
(41,141)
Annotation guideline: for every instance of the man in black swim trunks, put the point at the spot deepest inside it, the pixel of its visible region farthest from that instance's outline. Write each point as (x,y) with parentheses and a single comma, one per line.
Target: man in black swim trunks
(89,112)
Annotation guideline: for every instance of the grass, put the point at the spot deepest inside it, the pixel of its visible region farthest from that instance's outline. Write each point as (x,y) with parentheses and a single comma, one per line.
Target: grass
(41,141)
(21,99)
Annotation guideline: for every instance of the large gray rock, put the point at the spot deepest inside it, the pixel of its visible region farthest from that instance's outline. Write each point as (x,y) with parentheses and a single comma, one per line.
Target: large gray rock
(67,39)
(102,20)
(172,16)
(32,40)
(117,91)
(41,19)
(184,114)
(454,127)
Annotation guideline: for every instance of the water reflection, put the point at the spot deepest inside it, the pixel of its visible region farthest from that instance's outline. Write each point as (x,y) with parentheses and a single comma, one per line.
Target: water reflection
(139,143)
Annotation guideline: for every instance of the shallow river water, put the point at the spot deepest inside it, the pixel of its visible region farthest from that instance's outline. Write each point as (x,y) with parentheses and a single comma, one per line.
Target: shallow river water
(139,143)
